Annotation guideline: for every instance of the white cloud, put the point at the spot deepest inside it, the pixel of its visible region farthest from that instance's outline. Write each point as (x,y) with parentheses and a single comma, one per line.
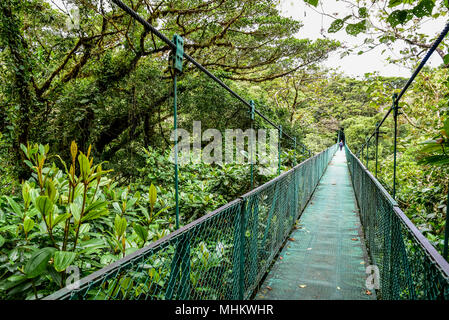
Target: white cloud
(354,65)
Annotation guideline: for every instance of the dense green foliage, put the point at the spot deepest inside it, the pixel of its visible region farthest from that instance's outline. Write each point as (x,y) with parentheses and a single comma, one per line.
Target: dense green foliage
(422,186)
(105,83)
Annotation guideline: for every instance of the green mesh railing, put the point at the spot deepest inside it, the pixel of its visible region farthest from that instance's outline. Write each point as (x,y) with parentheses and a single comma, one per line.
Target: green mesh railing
(223,255)
(409,266)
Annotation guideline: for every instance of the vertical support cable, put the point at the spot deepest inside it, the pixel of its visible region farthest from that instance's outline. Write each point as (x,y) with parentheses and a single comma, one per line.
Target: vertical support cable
(175,124)
(361,154)
(176,58)
(279,149)
(241,268)
(446,227)
(377,146)
(367,153)
(395,116)
(252,142)
(294,139)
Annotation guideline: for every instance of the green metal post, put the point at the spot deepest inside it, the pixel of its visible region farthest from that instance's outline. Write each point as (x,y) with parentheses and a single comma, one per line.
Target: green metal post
(243,214)
(295,149)
(252,142)
(446,227)
(353,166)
(367,153)
(361,154)
(175,120)
(176,58)
(279,149)
(395,116)
(377,146)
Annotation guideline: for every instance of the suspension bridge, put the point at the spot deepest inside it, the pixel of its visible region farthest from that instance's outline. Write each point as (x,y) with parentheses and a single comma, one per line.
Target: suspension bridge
(316,231)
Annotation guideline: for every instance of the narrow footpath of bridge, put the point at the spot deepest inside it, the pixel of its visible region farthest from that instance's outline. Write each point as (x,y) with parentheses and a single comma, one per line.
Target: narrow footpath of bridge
(325,258)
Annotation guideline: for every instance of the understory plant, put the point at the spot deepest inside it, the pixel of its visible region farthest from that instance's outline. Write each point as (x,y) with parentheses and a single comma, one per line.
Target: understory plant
(67,220)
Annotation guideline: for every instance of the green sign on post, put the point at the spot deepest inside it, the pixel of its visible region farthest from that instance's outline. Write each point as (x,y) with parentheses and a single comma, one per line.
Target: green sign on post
(178,53)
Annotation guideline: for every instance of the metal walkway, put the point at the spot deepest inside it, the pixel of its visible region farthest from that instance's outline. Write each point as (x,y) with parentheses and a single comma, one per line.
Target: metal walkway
(325,257)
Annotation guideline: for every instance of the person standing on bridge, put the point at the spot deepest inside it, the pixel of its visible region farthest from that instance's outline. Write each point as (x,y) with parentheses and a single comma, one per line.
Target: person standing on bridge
(341,144)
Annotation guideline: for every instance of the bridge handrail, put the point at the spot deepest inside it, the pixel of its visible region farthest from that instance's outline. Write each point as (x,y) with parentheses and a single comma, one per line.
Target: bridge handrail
(238,226)
(407,237)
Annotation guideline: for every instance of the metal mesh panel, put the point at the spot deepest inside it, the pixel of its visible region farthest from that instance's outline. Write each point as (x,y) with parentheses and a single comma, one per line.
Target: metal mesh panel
(222,255)
(409,266)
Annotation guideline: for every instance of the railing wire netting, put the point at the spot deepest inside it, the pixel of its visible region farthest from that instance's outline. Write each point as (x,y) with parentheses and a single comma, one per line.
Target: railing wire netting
(222,255)
(409,266)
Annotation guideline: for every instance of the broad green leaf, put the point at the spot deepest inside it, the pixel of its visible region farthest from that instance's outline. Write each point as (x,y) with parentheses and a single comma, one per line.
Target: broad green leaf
(141,231)
(63,259)
(312,2)
(108,259)
(13,254)
(125,284)
(2,241)
(41,149)
(336,26)
(60,218)
(94,214)
(117,207)
(424,8)
(145,212)
(28,225)
(84,166)
(119,225)
(26,193)
(73,149)
(12,281)
(56,276)
(152,195)
(162,210)
(28,163)
(97,205)
(24,149)
(15,206)
(75,209)
(394,3)
(44,205)
(130,203)
(356,28)
(124,194)
(128,251)
(38,262)
(84,228)
(363,12)
(50,190)
(399,17)
(446,60)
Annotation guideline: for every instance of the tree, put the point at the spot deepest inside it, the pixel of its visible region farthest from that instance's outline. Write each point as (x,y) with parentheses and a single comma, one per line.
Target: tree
(389,22)
(105,81)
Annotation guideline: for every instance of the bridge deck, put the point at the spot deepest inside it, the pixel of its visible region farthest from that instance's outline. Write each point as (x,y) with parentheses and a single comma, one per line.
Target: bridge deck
(326,257)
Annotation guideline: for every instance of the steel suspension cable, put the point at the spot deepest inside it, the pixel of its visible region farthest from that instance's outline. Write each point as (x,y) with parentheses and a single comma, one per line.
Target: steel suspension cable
(156,32)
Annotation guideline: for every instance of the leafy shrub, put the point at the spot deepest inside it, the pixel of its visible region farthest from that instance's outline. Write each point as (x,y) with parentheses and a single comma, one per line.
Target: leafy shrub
(71,217)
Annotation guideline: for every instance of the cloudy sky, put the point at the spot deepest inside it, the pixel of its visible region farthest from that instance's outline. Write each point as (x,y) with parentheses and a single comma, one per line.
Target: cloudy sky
(355,65)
